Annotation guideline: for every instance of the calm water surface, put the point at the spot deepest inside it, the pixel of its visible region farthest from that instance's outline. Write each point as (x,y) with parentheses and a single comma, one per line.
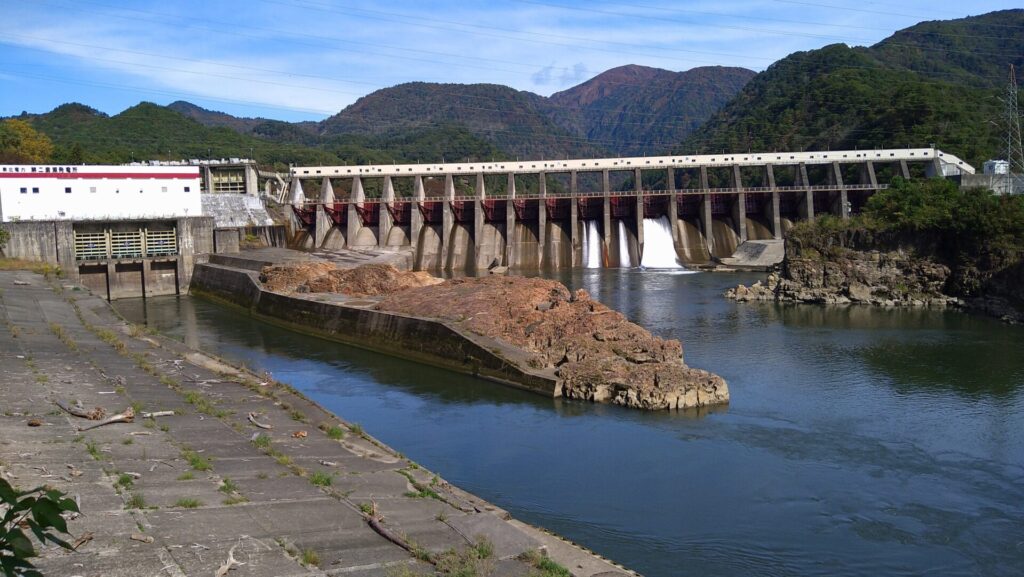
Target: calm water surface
(858,441)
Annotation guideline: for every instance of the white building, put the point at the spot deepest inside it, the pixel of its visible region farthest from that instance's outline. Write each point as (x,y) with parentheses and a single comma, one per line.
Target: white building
(996,167)
(98,193)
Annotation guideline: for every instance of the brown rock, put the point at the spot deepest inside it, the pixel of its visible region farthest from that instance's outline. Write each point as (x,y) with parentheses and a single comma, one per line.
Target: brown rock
(596,353)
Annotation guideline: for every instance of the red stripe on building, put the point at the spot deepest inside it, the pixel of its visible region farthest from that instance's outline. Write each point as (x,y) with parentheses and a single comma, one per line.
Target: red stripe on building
(101,175)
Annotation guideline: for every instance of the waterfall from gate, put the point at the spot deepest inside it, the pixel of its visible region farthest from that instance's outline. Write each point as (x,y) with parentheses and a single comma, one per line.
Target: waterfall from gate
(659,248)
(624,260)
(592,250)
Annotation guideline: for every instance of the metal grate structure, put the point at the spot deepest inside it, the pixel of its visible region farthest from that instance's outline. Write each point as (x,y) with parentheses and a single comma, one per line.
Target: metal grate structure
(161,242)
(125,244)
(91,245)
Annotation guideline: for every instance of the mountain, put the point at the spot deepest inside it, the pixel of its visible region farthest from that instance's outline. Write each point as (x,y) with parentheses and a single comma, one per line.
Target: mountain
(636,109)
(934,83)
(150,131)
(214,117)
(974,51)
(626,110)
(516,121)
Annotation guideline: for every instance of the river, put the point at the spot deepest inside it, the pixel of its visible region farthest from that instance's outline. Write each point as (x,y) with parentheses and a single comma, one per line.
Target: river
(859,441)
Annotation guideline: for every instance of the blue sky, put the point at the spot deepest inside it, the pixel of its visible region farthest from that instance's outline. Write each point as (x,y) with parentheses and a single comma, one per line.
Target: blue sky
(307,59)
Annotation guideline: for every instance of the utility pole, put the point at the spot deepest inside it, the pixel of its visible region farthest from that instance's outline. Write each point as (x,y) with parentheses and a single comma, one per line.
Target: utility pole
(1014,151)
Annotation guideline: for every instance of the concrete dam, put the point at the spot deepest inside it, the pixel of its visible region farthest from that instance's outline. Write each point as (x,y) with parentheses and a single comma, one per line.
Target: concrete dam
(656,212)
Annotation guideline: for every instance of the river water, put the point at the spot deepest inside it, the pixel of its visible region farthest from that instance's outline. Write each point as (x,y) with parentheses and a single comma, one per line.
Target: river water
(859,441)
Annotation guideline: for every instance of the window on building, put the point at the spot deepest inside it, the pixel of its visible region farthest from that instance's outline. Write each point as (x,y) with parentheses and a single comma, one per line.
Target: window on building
(92,189)
(24,190)
(67,190)
(187,189)
(35,190)
(163,189)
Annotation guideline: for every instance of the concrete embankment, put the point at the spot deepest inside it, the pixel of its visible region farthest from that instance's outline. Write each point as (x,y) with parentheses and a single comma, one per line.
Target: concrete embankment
(293,490)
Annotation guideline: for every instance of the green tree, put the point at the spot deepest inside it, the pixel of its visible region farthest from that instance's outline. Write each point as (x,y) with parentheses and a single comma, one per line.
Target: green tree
(38,510)
(22,144)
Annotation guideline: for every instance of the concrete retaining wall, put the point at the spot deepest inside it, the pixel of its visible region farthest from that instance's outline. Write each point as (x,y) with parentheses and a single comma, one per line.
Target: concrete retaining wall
(428,341)
(53,242)
(34,241)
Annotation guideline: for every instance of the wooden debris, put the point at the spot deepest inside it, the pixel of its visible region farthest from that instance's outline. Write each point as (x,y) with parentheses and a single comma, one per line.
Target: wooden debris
(85,538)
(252,419)
(228,564)
(155,414)
(126,417)
(300,434)
(374,519)
(142,537)
(36,422)
(95,414)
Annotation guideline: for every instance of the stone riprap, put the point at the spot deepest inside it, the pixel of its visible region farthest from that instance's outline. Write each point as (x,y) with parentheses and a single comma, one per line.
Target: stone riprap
(180,495)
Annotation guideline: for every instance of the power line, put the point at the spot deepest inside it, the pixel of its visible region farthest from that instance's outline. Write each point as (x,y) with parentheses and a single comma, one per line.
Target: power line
(759,30)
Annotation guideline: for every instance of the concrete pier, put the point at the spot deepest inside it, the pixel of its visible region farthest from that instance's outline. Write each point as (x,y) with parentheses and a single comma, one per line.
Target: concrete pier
(728,210)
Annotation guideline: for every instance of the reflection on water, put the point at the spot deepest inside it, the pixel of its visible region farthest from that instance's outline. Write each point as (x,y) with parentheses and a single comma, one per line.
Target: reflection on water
(859,441)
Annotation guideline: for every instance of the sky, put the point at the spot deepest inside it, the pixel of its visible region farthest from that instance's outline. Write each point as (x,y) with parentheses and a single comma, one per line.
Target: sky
(307,59)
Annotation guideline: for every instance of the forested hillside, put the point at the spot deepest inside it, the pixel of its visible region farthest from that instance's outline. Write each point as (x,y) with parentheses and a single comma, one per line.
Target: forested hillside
(936,83)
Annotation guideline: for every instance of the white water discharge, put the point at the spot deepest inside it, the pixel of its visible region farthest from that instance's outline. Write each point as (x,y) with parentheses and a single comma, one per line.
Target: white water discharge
(659,249)
(592,246)
(624,260)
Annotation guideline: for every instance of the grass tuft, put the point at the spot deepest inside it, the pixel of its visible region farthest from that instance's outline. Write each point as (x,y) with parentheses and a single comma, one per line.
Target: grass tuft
(310,557)
(196,461)
(320,479)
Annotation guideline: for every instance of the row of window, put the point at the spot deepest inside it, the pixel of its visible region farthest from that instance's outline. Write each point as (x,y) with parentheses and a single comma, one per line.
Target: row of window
(67,189)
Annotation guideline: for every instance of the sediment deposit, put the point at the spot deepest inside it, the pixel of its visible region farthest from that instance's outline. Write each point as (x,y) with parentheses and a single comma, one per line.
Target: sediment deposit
(594,351)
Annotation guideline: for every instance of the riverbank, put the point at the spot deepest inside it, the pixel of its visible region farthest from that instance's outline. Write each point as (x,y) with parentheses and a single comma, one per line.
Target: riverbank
(291,490)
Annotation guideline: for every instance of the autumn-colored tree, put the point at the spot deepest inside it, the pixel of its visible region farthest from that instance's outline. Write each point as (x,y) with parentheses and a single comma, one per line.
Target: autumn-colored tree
(22,144)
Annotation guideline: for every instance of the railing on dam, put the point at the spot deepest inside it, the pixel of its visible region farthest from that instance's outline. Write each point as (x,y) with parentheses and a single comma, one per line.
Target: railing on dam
(695,192)
(639,163)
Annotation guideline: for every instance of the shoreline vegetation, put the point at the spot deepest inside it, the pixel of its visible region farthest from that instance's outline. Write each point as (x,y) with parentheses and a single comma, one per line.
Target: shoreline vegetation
(918,243)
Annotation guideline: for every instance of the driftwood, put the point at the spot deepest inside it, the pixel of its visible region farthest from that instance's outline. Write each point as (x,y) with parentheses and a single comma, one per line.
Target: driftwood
(228,564)
(252,419)
(78,410)
(155,414)
(375,523)
(126,417)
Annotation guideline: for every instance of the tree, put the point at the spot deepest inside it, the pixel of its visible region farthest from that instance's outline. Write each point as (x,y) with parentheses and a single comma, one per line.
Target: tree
(22,144)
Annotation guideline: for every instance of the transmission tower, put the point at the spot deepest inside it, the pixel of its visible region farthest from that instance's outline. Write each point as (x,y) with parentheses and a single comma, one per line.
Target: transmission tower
(1014,151)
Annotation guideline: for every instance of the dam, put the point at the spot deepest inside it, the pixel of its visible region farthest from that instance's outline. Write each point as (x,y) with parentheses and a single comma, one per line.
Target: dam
(593,213)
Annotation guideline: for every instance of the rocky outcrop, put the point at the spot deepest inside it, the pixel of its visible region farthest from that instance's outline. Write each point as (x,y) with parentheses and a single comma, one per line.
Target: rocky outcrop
(597,354)
(893,278)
